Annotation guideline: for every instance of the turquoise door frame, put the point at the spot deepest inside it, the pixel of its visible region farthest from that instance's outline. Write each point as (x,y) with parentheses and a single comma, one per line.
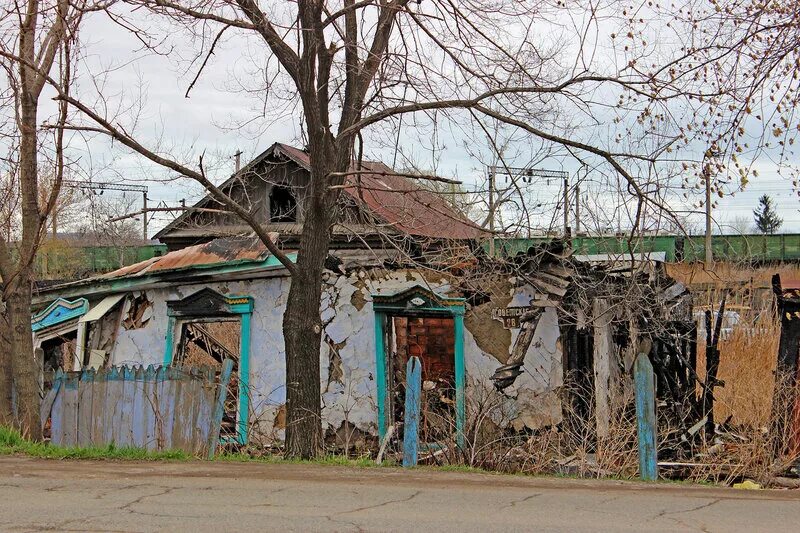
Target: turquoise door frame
(208,305)
(419,302)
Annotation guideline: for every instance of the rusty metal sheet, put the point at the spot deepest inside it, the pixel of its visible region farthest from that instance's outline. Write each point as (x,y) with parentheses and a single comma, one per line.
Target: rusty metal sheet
(215,252)
(401,202)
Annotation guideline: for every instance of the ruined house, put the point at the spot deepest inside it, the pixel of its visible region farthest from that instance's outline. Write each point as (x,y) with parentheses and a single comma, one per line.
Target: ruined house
(406,277)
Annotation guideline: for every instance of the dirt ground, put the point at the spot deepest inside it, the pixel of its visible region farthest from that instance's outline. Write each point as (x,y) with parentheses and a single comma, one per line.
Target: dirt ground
(40,495)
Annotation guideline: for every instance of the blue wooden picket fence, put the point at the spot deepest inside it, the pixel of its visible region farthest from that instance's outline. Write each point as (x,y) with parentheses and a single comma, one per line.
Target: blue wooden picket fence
(153,408)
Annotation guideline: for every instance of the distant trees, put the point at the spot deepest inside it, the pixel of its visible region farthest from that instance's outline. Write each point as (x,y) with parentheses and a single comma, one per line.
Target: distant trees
(766,218)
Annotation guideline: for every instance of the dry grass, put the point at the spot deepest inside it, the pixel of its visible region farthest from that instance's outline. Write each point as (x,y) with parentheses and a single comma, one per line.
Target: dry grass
(748,356)
(751,444)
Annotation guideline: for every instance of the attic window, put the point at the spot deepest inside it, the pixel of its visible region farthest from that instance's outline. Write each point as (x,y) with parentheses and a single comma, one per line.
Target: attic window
(282,205)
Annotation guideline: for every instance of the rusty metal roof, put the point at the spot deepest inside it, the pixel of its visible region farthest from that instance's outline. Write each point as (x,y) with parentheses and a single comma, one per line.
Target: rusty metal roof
(400,201)
(397,201)
(226,250)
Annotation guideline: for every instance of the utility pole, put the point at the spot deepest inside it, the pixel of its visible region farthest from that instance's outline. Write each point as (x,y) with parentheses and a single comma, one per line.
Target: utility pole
(565,205)
(707,179)
(491,209)
(144,216)
(577,208)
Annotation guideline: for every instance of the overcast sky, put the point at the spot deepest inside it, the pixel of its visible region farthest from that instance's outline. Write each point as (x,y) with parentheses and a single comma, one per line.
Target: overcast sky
(205,123)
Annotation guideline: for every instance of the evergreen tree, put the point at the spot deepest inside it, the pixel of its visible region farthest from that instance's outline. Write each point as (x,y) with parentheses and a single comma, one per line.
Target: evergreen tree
(767,219)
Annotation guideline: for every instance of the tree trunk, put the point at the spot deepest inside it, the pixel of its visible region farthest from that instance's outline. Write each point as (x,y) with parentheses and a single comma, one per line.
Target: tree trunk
(302,331)
(6,415)
(23,364)
(302,325)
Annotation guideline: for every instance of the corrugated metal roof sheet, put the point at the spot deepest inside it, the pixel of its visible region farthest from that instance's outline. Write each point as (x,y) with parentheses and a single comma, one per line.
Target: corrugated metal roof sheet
(218,251)
(400,201)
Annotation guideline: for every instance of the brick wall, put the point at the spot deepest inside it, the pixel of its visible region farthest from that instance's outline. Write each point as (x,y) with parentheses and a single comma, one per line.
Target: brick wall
(431,339)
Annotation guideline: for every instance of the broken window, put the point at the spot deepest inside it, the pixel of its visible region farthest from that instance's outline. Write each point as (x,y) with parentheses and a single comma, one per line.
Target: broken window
(139,313)
(207,343)
(432,339)
(282,204)
(57,352)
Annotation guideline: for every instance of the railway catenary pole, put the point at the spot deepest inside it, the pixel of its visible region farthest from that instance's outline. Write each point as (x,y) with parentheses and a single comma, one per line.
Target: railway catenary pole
(527,174)
(106,186)
(709,258)
(566,206)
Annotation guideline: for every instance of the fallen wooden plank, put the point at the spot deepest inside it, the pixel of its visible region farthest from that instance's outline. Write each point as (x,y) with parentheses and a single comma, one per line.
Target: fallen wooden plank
(47,403)
(219,406)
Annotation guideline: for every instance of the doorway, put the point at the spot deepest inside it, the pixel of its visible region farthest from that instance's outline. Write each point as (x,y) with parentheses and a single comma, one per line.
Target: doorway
(206,343)
(202,330)
(432,339)
(418,322)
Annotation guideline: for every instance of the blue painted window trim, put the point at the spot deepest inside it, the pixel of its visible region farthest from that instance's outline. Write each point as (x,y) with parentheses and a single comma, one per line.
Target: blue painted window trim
(414,301)
(241,305)
(59,311)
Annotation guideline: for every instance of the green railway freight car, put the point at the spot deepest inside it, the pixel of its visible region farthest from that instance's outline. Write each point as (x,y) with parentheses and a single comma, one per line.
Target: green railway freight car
(754,248)
(609,244)
(746,248)
(108,258)
(619,245)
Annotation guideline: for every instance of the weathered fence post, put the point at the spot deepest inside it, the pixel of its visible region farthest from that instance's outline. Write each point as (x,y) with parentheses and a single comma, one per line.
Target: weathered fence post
(411,423)
(219,406)
(646,417)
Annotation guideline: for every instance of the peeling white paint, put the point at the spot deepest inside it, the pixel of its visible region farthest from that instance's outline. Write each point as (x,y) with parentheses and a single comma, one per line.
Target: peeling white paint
(531,401)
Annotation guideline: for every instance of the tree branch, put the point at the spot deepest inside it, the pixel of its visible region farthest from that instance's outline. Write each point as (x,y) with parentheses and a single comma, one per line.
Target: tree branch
(116,133)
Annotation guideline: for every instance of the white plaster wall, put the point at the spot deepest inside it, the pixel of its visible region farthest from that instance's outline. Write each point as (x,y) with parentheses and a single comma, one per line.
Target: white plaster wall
(531,400)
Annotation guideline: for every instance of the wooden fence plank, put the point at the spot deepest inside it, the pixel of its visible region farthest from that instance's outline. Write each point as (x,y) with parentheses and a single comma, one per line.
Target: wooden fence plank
(119,404)
(191,402)
(150,407)
(99,406)
(57,410)
(47,403)
(163,414)
(178,400)
(138,435)
(113,392)
(70,413)
(412,408)
(125,408)
(204,412)
(646,417)
(85,396)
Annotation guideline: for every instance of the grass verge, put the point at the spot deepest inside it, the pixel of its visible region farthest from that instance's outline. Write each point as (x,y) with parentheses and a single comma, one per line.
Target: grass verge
(11,442)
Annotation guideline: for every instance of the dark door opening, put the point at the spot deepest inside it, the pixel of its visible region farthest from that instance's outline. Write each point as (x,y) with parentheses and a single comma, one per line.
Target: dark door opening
(432,339)
(207,343)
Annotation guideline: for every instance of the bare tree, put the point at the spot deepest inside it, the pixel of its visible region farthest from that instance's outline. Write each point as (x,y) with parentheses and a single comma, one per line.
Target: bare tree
(352,67)
(35,50)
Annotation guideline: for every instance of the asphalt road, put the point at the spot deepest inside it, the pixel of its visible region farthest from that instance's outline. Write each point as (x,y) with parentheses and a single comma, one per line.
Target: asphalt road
(41,495)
